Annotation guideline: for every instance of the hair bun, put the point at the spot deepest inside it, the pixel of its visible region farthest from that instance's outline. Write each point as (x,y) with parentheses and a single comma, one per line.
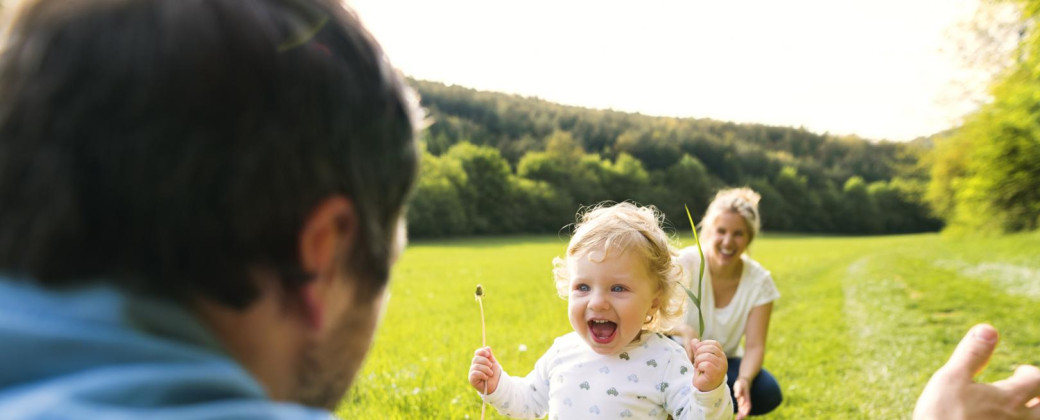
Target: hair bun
(747,194)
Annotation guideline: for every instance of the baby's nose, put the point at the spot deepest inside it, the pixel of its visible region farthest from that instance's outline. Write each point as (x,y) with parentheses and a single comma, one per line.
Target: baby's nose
(599,302)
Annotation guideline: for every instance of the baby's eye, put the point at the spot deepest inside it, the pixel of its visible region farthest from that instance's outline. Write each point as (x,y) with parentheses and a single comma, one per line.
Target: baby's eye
(582,287)
(617,288)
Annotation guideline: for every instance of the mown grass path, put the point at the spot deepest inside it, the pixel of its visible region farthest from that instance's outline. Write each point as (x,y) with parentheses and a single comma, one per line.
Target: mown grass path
(860,326)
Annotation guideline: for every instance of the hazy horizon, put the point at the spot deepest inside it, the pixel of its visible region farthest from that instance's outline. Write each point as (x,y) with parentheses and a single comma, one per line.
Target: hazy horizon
(880,70)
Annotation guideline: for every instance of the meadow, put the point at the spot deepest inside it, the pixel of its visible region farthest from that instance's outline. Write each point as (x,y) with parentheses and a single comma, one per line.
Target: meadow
(861,324)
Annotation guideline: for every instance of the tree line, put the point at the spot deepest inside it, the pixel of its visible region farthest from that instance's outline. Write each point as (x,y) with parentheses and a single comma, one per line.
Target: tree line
(496,163)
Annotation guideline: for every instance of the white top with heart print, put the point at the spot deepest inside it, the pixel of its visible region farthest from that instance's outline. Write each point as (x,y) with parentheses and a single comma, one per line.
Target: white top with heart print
(651,379)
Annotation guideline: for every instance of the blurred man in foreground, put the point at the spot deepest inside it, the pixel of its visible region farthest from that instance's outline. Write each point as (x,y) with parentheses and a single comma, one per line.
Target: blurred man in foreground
(200,202)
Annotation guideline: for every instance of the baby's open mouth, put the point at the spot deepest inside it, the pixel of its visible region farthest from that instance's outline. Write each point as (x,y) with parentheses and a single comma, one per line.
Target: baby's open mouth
(602,331)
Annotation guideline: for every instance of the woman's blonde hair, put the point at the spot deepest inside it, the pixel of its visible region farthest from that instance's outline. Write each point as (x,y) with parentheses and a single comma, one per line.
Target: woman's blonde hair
(742,201)
(625,227)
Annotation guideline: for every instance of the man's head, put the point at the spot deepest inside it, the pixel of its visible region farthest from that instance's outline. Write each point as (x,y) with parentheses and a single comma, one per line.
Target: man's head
(182,148)
(172,146)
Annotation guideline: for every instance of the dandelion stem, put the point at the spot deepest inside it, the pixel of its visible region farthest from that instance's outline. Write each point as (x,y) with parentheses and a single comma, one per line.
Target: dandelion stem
(483,328)
(479,294)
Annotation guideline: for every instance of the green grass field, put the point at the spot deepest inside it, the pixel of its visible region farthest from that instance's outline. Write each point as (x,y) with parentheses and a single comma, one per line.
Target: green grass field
(860,326)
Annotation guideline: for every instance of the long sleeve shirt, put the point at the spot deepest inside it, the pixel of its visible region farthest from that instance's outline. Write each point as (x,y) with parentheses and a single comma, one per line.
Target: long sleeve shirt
(650,379)
(98,353)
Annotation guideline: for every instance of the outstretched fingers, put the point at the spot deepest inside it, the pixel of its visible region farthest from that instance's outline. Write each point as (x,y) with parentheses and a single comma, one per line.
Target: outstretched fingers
(972,353)
(743,395)
(1023,387)
(952,392)
(1032,410)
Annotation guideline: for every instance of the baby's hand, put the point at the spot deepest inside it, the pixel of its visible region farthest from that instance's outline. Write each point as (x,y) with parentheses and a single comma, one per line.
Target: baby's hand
(485,371)
(709,361)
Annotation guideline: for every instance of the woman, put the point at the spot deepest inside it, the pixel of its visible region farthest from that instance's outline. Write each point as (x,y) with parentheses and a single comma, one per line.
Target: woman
(736,298)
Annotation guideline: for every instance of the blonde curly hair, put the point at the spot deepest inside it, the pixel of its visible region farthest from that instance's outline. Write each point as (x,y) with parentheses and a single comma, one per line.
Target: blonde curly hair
(629,227)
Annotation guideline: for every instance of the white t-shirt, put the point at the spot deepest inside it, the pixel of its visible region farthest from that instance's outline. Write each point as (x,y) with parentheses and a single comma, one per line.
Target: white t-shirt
(651,379)
(726,325)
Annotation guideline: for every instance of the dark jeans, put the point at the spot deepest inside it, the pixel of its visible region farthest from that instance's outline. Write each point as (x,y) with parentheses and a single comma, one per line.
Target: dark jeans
(765,392)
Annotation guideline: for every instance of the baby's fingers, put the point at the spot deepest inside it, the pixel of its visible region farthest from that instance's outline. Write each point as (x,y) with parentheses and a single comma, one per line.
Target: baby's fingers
(691,347)
(477,376)
(478,380)
(710,364)
(484,352)
(707,346)
(706,352)
(482,365)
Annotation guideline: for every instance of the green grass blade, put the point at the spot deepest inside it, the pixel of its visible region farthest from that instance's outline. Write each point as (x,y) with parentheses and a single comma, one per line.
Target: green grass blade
(700,274)
(696,299)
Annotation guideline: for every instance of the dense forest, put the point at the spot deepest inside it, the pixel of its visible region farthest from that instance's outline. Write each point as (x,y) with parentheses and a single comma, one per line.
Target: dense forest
(496,163)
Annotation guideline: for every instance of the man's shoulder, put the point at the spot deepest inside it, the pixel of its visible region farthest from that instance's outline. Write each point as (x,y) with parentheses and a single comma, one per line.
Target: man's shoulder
(259,410)
(149,390)
(95,352)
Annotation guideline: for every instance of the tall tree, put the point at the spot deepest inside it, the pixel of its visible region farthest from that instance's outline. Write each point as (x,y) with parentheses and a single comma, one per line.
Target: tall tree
(488,191)
(986,176)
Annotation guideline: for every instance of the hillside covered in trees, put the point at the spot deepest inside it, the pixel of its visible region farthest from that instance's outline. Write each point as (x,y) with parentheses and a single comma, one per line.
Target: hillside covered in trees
(497,163)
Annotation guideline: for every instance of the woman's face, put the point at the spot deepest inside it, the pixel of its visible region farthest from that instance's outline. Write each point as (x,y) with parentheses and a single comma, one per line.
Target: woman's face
(729,238)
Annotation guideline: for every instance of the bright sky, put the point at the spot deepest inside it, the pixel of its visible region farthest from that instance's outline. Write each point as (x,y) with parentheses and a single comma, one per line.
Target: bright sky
(881,69)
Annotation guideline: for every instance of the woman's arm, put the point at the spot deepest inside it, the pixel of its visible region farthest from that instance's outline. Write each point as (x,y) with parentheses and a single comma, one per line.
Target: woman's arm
(754,352)
(755,340)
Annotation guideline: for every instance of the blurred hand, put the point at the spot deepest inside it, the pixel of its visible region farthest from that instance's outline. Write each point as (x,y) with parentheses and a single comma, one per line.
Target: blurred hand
(953,394)
(485,371)
(709,363)
(742,390)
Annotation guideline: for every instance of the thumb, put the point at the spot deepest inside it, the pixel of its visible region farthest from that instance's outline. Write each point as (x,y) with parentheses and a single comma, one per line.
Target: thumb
(973,352)
(491,357)
(693,343)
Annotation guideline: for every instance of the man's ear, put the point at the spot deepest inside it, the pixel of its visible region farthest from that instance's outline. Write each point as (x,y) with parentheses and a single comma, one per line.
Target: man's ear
(327,235)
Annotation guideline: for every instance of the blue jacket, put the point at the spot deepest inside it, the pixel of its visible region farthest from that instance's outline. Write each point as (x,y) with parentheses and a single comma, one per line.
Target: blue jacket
(96,353)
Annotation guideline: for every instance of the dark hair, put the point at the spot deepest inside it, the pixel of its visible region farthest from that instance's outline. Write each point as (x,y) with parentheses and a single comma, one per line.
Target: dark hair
(173,146)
